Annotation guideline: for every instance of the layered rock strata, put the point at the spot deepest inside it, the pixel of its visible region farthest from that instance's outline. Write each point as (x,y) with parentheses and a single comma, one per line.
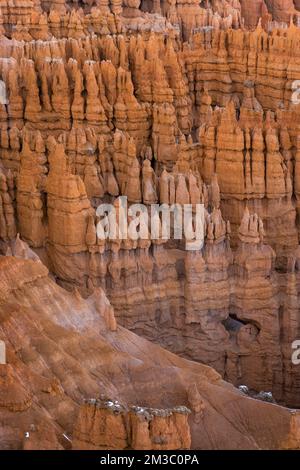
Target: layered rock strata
(105,424)
(62,351)
(172,104)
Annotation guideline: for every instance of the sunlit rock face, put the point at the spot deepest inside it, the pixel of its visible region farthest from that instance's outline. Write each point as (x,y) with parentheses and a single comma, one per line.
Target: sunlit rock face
(71,378)
(173,102)
(281,10)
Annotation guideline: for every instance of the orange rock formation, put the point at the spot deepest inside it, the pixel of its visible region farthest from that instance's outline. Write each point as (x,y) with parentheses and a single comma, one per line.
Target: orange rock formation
(63,361)
(162,102)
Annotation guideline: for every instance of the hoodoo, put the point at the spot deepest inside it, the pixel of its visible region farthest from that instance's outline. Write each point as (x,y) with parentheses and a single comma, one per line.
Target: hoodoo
(149,225)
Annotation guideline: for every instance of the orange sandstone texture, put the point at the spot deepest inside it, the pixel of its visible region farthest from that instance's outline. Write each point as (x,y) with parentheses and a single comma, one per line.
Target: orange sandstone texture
(178,102)
(60,352)
(105,424)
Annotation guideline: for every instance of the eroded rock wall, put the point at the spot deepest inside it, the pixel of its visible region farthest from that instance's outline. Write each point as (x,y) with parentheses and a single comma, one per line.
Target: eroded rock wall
(121,101)
(62,351)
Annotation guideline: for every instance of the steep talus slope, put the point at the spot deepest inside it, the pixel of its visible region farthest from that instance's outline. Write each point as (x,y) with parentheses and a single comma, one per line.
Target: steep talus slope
(61,349)
(162,102)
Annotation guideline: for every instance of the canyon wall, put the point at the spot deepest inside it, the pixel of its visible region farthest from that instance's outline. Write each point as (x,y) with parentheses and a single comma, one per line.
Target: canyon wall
(162,104)
(105,424)
(72,375)
(36,17)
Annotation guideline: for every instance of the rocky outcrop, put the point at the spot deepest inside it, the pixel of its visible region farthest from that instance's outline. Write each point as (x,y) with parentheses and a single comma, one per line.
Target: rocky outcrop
(281,10)
(40,19)
(252,12)
(105,424)
(82,158)
(89,357)
(104,111)
(171,103)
